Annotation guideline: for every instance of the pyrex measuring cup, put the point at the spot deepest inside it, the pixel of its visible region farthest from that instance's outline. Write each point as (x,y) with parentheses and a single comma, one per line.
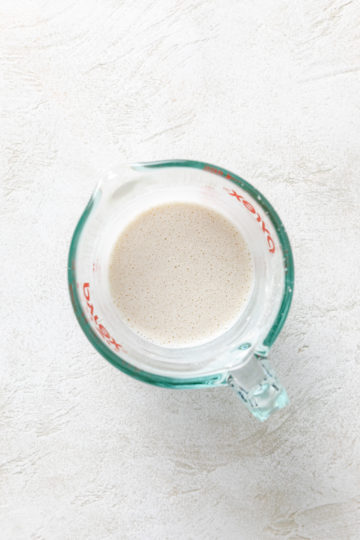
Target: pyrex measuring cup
(238,357)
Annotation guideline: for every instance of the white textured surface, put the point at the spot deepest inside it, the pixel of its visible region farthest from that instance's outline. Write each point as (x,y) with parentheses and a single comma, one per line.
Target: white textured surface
(269,89)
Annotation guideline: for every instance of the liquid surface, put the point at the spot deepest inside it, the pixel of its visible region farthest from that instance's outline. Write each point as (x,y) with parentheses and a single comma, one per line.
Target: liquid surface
(180,274)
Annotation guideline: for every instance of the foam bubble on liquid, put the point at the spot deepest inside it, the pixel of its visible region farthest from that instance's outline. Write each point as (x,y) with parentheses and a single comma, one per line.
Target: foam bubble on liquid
(180,274)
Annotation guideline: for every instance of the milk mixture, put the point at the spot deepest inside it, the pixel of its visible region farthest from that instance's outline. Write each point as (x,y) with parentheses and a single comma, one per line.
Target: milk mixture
(180,274)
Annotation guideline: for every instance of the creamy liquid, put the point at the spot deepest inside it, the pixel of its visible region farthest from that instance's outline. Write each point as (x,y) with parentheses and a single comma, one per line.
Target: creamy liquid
(180,274)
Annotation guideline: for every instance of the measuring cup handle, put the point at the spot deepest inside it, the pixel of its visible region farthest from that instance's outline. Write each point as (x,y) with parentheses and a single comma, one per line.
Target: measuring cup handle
(256,384)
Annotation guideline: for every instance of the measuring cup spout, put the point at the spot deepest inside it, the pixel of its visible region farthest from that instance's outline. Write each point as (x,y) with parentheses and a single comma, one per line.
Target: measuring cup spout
(257,385)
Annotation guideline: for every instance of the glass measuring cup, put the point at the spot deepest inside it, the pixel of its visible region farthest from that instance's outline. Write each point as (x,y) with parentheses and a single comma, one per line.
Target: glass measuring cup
(238,357)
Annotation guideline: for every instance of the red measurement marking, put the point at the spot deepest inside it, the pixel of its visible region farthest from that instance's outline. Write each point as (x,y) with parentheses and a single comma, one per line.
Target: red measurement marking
(219,172)
(99,327)
(246,204)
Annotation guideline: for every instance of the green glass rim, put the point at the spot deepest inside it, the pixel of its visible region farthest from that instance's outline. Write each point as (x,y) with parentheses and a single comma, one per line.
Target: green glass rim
(160,380)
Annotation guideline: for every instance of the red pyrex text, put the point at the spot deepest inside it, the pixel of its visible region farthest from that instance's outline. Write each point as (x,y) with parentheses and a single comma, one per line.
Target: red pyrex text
(99,327)
(246,204)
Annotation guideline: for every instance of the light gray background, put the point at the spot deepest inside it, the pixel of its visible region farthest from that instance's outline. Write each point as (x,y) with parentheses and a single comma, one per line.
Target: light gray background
(268,89)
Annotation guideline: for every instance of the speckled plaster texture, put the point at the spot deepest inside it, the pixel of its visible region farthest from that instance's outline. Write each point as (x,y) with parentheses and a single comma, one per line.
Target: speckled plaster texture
(268,89)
